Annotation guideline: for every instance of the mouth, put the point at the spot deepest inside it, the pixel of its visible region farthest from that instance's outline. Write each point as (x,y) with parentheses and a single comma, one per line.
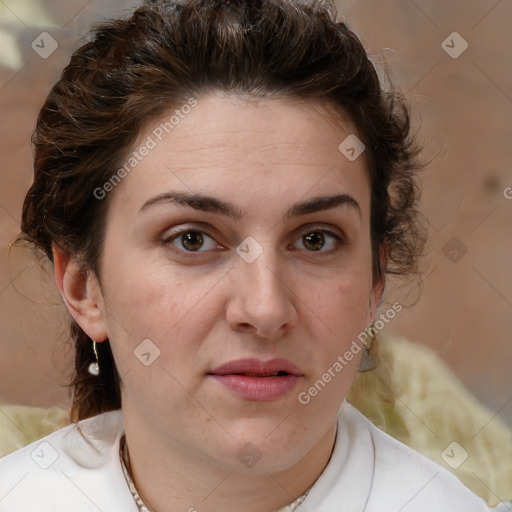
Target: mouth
(256,380)
(251,374)
(252,367)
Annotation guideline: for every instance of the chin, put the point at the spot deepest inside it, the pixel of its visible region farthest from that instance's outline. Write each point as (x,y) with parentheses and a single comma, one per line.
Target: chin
(265,446)
(251,458)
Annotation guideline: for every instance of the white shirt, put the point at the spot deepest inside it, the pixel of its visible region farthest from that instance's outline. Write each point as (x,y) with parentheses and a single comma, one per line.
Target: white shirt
(77,469)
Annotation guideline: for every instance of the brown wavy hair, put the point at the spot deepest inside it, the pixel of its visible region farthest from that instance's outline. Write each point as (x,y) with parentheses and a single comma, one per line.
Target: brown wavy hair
(167,51)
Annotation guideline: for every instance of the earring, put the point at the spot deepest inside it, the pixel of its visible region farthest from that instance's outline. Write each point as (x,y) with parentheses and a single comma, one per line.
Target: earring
(367,362)
(94,367)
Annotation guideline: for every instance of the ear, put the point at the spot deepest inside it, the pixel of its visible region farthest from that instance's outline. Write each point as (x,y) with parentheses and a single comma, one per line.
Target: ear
(379,283)
(81,293)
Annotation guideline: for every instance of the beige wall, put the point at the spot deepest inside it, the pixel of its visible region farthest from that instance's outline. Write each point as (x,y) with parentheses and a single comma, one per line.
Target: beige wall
(463,109)
(465,103)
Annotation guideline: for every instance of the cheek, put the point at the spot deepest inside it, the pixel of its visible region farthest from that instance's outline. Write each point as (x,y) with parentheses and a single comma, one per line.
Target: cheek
(337,315)
(149,301)
(342,302)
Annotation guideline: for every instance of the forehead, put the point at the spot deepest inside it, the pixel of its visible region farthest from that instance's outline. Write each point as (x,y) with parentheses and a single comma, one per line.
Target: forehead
(258,124)
(221,143)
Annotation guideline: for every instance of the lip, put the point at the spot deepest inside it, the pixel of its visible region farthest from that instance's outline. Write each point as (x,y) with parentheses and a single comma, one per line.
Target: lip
(256,380)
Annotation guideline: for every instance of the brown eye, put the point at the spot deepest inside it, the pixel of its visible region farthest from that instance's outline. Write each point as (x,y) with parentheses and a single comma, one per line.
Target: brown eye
(192,240)
(313,241)
(320,241)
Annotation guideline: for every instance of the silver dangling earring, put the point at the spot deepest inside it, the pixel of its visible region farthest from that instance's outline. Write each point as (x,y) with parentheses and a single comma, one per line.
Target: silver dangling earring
(94,367)
(367,362)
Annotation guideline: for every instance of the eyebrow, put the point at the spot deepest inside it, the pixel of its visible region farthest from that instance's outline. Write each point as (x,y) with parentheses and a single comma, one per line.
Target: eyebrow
(213,205)
(322,203)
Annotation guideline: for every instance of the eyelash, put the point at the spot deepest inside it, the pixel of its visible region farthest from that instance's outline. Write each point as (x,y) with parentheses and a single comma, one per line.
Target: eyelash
(340,241)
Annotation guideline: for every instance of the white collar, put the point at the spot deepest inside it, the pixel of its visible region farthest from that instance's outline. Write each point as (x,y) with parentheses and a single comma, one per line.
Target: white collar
(346,479)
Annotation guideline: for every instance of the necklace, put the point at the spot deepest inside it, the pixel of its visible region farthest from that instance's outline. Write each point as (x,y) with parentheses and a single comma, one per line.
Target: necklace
(141,507)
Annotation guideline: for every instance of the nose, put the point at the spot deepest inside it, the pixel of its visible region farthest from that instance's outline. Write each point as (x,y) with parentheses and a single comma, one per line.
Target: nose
(262,301)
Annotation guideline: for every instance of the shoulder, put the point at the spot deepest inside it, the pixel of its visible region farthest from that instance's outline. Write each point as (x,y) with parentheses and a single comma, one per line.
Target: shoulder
(371,471)
(410,481)
(74,465)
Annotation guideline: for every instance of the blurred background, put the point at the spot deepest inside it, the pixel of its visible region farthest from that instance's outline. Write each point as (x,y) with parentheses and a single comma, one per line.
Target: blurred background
(453,61)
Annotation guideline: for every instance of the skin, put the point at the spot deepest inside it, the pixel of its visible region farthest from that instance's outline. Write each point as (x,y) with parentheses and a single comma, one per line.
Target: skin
(208,307)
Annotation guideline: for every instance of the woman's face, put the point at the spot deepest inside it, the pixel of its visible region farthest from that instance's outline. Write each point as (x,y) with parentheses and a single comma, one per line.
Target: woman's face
(236,269)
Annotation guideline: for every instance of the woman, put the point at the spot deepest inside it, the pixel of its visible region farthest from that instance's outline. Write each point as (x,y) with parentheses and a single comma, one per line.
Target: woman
(222,188)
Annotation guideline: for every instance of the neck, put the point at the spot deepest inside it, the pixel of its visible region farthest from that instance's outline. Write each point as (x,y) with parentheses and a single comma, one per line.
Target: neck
(179,480)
